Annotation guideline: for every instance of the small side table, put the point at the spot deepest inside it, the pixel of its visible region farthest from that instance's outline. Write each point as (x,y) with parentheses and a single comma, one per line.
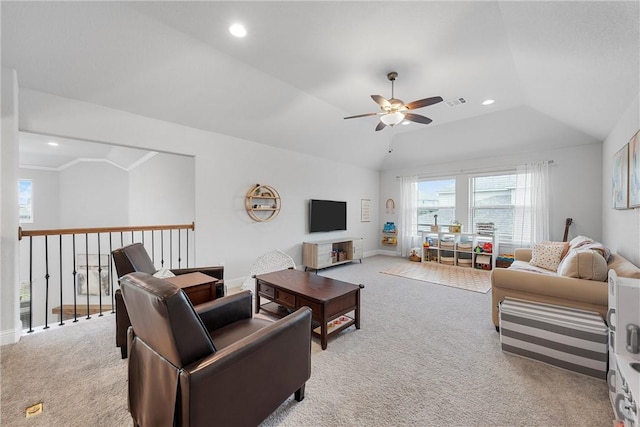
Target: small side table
(199,287)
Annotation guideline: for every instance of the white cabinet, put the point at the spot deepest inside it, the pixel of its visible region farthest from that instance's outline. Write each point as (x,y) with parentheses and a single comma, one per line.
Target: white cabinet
(623,377)
(325,253)
(460,249)
(358,249)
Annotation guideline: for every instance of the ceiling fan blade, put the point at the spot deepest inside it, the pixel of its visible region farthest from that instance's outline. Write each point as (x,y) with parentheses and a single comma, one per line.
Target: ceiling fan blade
(423,102)
(417,118)
(361,115)
(381,101)
(380,126)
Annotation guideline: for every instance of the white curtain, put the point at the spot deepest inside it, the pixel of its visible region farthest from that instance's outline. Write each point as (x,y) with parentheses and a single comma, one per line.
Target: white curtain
(408,224)
(531,222)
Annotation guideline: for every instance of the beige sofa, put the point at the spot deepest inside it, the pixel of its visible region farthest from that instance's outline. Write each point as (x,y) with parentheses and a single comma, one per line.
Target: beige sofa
(530,283)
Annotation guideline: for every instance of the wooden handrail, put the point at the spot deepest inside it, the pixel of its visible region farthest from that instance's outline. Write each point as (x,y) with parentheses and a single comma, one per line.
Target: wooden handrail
(55,232)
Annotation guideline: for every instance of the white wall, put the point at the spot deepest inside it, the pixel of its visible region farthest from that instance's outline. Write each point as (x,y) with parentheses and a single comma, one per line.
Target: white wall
(621,228)
(161,191)
(93,194)
(225,169)
(575,185)
(10,325)
(46,198)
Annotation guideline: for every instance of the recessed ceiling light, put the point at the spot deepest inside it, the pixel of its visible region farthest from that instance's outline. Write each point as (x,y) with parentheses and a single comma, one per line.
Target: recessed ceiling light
(238,30)
(488,102)
(53,144)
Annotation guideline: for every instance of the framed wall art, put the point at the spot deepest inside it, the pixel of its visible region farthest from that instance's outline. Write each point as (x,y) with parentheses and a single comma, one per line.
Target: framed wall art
(620,178)
(634,171)
(97,280)
(365,210)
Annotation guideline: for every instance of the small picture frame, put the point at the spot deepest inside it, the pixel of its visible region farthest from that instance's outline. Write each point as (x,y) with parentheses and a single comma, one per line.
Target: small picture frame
(634,171)
(365,210)
(620,179)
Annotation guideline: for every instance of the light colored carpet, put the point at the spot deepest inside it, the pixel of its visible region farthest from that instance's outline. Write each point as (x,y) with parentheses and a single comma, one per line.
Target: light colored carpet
(425,356)
(457,277)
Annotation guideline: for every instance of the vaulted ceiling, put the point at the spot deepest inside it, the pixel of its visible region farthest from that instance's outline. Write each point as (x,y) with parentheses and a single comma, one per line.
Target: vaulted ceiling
(561,73)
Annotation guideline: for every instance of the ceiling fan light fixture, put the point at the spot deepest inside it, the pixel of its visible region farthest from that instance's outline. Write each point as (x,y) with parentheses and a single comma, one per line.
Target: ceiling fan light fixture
(392,119)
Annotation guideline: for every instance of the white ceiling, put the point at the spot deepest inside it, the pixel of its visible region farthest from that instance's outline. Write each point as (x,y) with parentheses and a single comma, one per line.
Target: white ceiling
(561,73)
(37,152)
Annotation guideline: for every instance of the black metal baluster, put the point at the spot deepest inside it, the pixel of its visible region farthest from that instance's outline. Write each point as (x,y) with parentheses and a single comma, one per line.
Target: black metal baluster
(75,282)
(46,278)
(99,279)
(170,249)
(161,248)
(153,247)
(61,317)
(179,249)
(187,248)
(132,237)
(30,284)
(111,273)
(121,239)
(86,259)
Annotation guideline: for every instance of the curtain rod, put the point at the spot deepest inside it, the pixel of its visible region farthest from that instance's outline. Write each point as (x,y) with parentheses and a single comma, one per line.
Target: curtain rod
(469,171)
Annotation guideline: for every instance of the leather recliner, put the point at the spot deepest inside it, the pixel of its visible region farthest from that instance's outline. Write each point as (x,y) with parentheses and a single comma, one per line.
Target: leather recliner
(210,365)
(134,257)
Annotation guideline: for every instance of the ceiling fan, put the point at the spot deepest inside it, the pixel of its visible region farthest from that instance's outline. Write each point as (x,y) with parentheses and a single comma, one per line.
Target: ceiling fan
(395,111)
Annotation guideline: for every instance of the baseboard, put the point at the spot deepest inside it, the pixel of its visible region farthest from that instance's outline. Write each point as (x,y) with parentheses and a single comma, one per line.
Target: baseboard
(384,252)
(10,336)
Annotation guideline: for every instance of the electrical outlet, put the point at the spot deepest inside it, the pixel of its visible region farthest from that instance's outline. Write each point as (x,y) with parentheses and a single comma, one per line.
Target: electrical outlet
(34,410)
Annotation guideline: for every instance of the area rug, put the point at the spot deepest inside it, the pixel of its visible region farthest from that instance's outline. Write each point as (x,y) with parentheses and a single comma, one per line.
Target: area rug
(457,277)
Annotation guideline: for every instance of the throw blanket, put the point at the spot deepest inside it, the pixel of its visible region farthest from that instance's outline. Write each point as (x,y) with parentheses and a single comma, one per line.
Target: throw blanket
(595,246)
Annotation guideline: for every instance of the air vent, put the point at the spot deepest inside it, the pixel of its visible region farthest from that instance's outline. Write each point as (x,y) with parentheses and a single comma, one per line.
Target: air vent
(455,101)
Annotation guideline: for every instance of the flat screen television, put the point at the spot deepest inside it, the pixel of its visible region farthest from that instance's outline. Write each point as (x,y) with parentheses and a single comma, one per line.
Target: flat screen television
(327,215)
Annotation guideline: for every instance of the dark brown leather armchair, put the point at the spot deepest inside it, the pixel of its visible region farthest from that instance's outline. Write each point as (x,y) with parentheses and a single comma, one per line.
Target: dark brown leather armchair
(210,365)
(134,257)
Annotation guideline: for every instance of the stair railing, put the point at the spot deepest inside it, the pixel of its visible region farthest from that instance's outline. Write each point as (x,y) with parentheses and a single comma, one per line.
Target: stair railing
(82,283)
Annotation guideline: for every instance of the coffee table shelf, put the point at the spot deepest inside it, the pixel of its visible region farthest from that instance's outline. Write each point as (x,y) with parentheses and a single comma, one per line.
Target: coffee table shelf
(275,309)
(332,327)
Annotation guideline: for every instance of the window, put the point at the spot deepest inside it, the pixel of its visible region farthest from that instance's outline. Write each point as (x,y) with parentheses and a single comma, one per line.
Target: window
(493,199)
(436,197)
(25,200)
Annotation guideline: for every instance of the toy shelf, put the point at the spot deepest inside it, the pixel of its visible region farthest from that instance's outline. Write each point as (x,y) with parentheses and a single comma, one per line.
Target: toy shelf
(467,250)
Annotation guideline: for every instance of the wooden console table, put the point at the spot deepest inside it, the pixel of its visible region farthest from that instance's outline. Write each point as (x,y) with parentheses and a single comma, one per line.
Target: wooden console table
(327,253)
(328,299)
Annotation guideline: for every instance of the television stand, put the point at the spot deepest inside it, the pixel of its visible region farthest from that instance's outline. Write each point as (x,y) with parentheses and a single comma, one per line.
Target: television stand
(327,253)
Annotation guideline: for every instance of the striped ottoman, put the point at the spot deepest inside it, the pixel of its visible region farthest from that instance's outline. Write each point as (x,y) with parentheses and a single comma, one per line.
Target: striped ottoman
(565,337)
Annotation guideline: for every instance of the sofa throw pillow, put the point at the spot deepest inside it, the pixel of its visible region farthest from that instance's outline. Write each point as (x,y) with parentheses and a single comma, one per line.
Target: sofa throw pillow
(584,264)
(163,273)
(565,247)
(546,256)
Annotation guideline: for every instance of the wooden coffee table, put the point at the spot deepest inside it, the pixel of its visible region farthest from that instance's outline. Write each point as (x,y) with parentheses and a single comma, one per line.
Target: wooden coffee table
(329,299)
